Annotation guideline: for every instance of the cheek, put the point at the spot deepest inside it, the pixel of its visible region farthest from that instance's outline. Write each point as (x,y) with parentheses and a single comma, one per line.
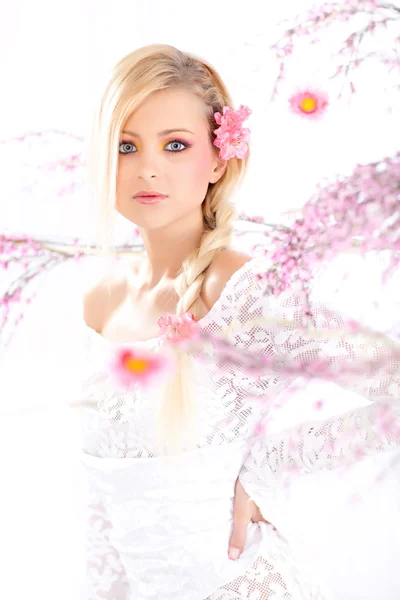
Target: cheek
(199,171)
(124,187)
(123,171)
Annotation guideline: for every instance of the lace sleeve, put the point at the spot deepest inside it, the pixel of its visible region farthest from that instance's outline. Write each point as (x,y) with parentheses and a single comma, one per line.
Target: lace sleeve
(292,339)
(322,444)
(290,334)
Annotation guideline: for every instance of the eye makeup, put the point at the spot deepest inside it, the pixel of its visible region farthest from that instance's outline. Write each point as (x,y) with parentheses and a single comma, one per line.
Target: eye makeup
(162,146)
(178,141)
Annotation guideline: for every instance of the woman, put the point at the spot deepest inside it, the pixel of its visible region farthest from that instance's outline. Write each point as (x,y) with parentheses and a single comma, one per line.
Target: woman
(162,527)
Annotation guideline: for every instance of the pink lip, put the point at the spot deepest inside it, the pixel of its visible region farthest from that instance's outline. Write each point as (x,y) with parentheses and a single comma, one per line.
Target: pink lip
(150,199)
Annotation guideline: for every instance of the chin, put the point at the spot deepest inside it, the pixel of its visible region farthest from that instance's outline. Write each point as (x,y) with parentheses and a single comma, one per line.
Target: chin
(149,222)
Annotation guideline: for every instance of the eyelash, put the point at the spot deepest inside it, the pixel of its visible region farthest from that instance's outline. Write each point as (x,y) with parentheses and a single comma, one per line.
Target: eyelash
(186,144)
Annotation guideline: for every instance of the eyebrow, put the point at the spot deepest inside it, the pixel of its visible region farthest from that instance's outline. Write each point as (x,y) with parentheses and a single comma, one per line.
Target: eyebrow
(160,133)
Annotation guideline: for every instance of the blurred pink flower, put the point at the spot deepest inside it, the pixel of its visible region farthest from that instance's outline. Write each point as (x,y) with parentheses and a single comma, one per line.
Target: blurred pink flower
(132,366)
(318,404)
(178,328)
(309,103)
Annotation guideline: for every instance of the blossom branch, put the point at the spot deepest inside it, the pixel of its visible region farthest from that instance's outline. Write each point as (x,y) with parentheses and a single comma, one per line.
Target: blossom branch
(319,18)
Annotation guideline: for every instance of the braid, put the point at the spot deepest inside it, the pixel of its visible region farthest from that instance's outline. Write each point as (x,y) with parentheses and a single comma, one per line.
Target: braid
(178,408)
(189,284)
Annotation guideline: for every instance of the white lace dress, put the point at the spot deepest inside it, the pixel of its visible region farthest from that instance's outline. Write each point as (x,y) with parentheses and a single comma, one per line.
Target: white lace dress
(160,529)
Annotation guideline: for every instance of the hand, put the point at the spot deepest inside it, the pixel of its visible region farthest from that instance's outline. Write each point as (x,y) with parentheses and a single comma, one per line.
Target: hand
(244,511)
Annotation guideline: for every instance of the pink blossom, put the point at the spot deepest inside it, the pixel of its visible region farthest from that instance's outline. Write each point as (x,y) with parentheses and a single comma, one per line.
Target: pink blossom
(231,137)
(129,366)
(309,103)
(260,428)
(315,19)
(353,209)
(178,328)
(318,404)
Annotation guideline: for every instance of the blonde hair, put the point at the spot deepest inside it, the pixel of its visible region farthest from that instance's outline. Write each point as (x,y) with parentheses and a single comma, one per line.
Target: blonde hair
(134,78)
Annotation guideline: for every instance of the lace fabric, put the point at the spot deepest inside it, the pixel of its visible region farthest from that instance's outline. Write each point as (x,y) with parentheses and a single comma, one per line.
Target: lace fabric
(105,576)
(144,530)
(273,574)
(231,401)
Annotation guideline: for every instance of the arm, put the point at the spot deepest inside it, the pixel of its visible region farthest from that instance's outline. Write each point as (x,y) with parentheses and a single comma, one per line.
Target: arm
(277,327)
(324,444)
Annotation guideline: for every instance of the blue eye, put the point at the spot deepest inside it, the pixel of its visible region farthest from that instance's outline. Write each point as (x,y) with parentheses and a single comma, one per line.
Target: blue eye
(179,143)
(176,146)
(126,144)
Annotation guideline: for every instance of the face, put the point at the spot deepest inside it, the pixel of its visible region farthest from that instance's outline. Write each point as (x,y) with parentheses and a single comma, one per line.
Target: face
(176,163)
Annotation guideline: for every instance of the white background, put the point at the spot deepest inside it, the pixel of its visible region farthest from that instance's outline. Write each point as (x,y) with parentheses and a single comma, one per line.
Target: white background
(55,58)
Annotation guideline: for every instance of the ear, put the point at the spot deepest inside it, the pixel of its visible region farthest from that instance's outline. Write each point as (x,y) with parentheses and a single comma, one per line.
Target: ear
(218,169)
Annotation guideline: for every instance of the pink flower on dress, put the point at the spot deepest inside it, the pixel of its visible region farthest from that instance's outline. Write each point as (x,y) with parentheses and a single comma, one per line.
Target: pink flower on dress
(178,328)
(309,103)
(231,137)
(136,366)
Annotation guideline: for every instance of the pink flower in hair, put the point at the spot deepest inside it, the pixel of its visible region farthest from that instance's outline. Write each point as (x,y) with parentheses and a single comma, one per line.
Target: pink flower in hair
(310,104)
(178,328)
(232,137)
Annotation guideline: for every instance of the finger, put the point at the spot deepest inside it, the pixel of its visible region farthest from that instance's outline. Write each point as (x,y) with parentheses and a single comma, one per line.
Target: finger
(238,538)
(242,511)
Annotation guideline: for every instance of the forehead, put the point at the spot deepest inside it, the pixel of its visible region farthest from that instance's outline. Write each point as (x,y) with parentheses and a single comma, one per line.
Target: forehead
(169,109)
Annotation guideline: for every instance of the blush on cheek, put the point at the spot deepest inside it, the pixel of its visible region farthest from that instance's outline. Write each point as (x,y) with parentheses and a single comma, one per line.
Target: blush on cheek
(201,168)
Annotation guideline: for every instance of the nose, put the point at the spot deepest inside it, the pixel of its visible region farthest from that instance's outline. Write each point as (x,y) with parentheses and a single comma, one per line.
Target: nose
(147,165)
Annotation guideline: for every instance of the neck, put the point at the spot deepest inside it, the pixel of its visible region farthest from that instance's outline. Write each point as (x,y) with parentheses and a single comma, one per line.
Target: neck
(168,247)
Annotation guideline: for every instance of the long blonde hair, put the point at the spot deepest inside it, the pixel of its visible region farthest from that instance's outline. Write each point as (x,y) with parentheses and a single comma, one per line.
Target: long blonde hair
(135,78)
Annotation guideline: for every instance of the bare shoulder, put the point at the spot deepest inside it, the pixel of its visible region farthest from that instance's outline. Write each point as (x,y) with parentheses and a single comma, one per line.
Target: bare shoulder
(219,272)
(103,297)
